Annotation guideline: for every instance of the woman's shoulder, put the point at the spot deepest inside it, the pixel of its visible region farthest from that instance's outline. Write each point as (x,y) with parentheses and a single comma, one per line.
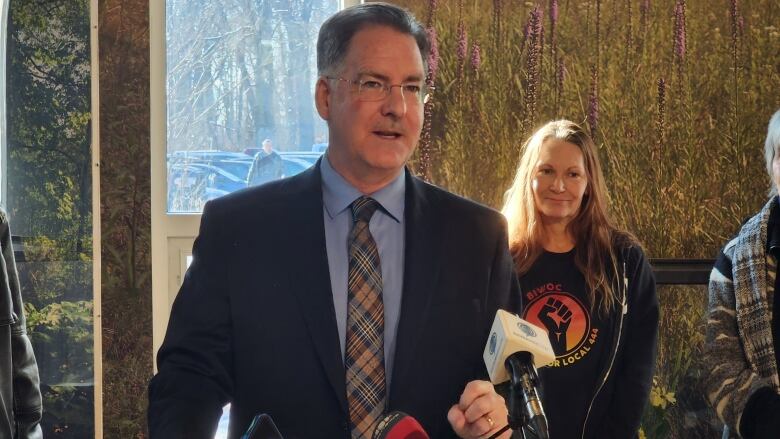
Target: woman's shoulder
(628,249)
(625,242)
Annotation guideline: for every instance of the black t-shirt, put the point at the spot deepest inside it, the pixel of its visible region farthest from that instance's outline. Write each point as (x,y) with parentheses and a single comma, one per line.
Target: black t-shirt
(555,298)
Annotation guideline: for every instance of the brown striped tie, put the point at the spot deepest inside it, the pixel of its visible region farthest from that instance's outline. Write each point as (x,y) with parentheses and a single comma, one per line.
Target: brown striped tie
(364,359)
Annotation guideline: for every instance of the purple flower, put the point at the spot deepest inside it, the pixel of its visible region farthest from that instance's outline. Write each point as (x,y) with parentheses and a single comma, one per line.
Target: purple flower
(463,44)
(644,8)
(433,56)
(476,59)
(533,64)
(432,5)
(661,122)
(679,32)
(560,74)
(593,103)
(734,19)
(741,25)
(553,19)
(535,28)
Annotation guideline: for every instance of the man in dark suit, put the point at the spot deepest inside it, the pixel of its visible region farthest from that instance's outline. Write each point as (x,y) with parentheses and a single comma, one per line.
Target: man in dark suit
(376,291)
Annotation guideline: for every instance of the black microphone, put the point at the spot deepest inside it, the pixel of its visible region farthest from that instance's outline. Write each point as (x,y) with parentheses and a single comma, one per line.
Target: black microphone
(398,425)
(514,350)
(524,378)
(262,427)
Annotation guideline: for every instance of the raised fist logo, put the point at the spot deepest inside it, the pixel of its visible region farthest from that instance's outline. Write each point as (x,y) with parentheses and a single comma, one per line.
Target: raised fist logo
(556,317)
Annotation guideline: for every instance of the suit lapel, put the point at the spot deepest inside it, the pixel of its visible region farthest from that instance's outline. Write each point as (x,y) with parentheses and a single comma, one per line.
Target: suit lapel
(421,271)
(314,294)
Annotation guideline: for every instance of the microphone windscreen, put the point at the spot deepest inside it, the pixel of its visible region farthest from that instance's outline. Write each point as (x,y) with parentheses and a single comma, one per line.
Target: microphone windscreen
(398,425)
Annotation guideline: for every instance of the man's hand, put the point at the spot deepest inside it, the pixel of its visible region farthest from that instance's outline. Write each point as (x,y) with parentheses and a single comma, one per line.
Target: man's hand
(479,413)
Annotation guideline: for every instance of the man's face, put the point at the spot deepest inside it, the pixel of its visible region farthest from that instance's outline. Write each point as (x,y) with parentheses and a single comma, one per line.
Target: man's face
(370,141)
(267,146)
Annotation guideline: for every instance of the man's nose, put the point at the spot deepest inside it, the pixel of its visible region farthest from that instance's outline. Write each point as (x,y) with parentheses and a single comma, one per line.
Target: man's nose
(395,102)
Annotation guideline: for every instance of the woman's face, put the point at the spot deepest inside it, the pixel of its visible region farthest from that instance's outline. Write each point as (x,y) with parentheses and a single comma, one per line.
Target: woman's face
(559,182)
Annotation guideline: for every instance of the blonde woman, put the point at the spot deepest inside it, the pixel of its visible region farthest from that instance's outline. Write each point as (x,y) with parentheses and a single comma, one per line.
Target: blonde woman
(585,281)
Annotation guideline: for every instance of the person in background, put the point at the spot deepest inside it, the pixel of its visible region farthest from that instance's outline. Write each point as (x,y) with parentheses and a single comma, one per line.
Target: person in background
(20,395)
(267,165)
(360,302)
(587,283)
(743,324)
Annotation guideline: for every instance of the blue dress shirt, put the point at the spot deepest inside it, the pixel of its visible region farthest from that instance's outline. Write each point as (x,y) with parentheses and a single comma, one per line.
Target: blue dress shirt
(387,228)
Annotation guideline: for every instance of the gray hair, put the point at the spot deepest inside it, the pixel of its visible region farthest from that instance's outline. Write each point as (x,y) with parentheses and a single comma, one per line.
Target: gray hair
(337,31)
(771,144)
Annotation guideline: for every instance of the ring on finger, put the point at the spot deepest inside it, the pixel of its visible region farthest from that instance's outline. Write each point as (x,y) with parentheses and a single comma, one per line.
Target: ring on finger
(490,421)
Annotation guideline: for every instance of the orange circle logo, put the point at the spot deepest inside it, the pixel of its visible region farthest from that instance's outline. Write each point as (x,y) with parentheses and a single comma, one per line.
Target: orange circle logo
(564,317)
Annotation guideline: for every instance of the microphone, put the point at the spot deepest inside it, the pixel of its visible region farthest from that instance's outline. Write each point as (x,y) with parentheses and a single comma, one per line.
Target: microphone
(514,350)
(525,380)
(398,425)
(262,427)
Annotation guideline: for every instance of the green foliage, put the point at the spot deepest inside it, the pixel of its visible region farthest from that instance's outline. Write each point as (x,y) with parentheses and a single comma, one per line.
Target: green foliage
(655,423)
(677,95)
(708,127)
(48,171)
(49,199)
(68,411)
(68,321)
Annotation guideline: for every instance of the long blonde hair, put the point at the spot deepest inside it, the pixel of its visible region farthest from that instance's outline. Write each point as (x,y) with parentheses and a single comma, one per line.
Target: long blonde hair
(597,240)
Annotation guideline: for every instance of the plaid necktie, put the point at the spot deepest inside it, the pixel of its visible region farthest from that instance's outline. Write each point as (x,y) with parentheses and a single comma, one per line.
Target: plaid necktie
(364,359)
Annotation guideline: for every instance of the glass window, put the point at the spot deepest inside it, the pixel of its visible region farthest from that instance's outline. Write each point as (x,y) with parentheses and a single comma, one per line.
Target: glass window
(47,173)
(240,85)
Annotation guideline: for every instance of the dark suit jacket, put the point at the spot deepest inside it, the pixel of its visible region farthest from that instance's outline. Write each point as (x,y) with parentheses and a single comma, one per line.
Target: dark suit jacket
(254,323)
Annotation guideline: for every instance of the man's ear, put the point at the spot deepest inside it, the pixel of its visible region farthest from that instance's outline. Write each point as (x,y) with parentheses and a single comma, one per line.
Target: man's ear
(322,98)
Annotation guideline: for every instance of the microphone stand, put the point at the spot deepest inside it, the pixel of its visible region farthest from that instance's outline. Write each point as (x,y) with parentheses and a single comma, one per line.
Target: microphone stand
(521,374)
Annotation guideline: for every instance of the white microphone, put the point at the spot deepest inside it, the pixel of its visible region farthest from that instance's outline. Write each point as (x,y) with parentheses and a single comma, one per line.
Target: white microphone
(514,350)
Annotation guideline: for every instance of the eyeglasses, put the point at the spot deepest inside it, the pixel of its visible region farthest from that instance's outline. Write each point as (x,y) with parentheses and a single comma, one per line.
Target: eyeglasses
(372,90)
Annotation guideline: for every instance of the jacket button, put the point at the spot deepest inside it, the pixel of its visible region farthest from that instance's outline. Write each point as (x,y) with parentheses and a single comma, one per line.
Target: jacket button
(345,425)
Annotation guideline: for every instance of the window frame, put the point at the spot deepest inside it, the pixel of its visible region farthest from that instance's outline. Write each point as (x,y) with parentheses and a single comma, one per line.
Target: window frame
(3,149)
(97,283)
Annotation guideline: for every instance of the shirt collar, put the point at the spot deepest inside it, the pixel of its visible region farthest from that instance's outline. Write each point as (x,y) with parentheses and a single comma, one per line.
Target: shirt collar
(338,194)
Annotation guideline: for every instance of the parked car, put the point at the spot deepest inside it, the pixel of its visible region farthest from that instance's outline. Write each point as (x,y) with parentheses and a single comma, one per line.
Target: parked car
(294,166)
(307,156)
(203,155)
(190,185)
(239,168)
(319,147)
(195,177)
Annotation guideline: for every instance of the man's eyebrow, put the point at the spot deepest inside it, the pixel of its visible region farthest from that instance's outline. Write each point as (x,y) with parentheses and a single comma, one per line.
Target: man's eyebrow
(410,78)
(373,75)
